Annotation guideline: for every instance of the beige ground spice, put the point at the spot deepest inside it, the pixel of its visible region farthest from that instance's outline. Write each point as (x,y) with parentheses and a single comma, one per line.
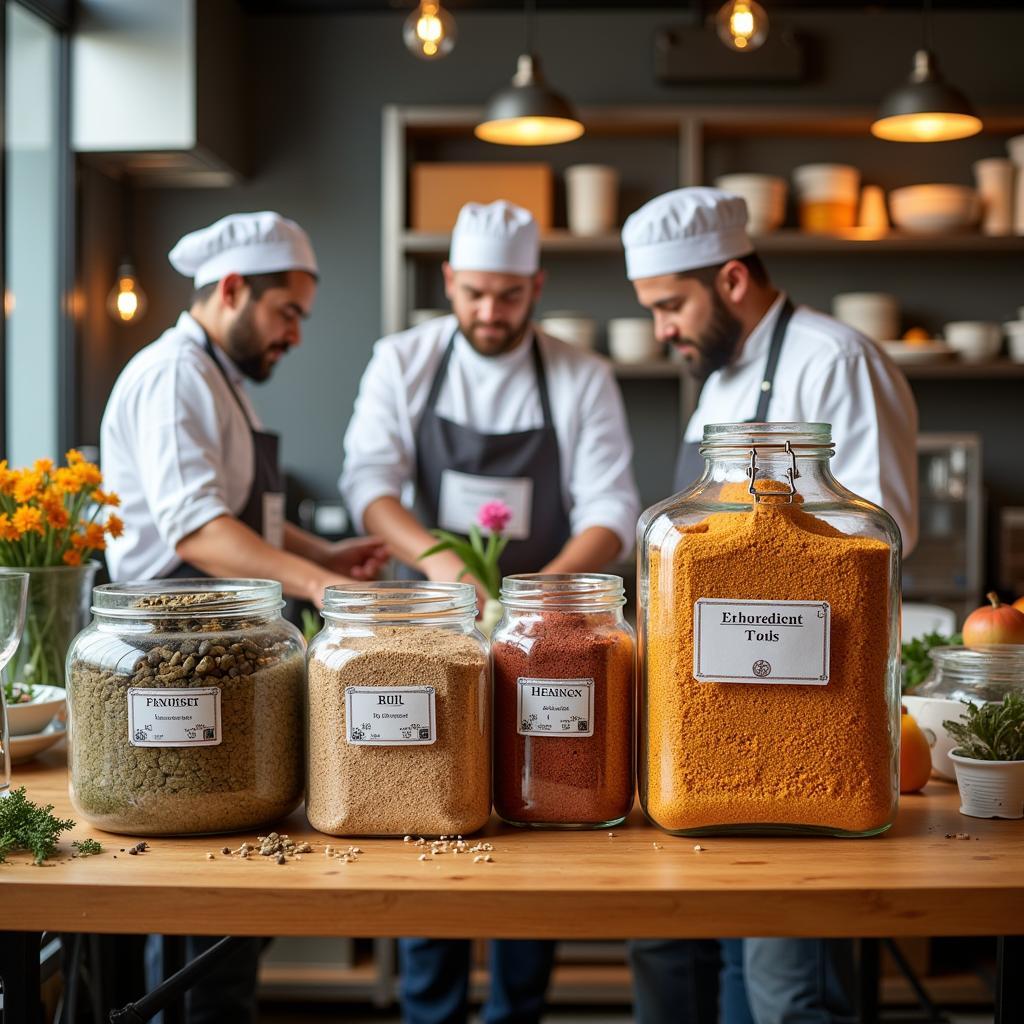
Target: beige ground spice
(252,777)
(441,788)
(726,754)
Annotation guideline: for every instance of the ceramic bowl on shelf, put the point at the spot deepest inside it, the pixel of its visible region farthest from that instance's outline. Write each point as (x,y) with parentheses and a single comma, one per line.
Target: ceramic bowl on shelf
(570,326)
(874,314)
(977,341)
(934,209)
(27,717)
(765,196)
(1015,339)
(631,339)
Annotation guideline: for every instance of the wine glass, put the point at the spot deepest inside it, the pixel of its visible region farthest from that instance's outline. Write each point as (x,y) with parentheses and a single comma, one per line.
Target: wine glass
(13,595)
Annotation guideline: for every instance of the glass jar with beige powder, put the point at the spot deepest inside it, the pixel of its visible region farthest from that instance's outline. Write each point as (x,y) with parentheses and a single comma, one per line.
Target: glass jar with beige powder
(398,712)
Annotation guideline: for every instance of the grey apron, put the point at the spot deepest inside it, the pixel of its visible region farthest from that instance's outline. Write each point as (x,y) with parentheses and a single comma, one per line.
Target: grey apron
(442,444)
(267,479)
(690,463)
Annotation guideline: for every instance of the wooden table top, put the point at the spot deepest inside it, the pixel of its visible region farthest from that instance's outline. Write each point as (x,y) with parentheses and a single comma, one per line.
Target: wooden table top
(636,882)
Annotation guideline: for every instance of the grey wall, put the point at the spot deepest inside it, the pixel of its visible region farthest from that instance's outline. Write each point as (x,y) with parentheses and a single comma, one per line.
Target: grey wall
(316,86)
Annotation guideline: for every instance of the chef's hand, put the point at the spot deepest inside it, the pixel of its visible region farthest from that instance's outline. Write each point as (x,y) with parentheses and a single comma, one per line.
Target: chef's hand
(361,558)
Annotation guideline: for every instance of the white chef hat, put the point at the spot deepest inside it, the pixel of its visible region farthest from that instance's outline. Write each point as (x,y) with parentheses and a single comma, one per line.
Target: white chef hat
(243,243)
(500,237)
(683,230)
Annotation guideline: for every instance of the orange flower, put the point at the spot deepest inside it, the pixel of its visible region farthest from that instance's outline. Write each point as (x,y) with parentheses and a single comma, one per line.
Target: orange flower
(8,531)
(73,457)
(87,474)
(67,481)
(28,519)
(106,498)
(115,526)
(57,516)
(94,536)
(28,484)
(78,541)
(7,478)
(43,465)
(72,557)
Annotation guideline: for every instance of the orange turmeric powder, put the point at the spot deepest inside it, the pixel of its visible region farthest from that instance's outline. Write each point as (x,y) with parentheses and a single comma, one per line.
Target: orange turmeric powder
(728,756)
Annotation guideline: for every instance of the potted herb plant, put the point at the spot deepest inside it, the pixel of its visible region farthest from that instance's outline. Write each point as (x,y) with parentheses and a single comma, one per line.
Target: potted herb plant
(989,758)
(53,519)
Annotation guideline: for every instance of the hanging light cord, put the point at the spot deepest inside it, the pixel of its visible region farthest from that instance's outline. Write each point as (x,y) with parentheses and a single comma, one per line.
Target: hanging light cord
(926,24)
(531,13)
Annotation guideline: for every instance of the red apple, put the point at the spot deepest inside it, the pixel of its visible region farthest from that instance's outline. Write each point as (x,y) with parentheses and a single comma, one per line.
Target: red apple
(998,624)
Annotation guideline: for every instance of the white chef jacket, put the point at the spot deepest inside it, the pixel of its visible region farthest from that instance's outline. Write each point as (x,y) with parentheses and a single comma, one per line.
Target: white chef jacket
(176,447)
(829,373)
(497,395)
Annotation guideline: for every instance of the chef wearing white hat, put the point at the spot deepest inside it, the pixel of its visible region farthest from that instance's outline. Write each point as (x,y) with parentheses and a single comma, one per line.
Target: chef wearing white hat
(694,266)
(470,408)
(181,443)
(481,406)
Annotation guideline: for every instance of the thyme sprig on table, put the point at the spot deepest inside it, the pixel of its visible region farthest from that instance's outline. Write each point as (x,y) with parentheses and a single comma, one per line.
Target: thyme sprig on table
(27,826)
(86,847)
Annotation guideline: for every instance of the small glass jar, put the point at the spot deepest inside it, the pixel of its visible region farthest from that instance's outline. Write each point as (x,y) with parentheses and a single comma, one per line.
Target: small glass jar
(769,644)
(562,658)
(185,708)
(961,674)
(398,712)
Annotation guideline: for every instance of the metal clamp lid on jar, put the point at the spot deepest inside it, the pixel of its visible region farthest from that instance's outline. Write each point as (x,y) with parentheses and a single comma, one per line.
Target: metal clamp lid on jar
(583,591)
(795,440)
(399,601)
(1001,666)
(199,598)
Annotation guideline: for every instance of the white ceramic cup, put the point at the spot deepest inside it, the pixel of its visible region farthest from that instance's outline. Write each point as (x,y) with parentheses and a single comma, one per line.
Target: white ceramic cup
(995,177)
(765,196)
(977,341)
(827,182)
(1015,339)
(592,192)
(567,325)
(631,340)
(875,314)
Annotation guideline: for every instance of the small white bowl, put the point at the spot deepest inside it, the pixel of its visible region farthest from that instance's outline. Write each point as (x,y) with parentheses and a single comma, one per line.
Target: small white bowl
(977,341)
(934,209)
(631,339)
(35,715)
(1015,346)
(571,327)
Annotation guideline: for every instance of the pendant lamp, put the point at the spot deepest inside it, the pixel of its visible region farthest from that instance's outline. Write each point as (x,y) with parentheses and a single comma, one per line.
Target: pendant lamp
(926,108)
(528,112)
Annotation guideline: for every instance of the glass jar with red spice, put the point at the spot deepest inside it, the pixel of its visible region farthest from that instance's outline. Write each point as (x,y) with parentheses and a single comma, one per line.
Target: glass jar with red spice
(563,668)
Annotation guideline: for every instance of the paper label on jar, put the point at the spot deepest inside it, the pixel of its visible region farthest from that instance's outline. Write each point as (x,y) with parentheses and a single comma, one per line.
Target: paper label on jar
(386,716)
(174,717)
(761,641)
(556,707)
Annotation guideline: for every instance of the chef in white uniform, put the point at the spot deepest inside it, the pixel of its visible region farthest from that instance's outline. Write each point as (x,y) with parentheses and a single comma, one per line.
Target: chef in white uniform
(761,358)
(481,406)
(199,477)
(475,407)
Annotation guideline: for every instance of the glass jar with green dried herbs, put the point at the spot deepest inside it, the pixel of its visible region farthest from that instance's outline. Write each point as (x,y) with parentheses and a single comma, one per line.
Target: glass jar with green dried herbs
(185,708)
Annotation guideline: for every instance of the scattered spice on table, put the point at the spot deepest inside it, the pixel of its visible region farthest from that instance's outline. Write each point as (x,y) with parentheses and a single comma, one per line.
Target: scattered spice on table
(86,848)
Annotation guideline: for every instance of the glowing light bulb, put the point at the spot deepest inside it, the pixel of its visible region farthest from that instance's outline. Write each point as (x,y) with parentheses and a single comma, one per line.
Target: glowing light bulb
(742,25)
(429,32)
(126,301)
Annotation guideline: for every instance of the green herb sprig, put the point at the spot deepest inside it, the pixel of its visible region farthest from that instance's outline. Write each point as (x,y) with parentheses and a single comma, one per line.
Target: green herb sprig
(917,658)
(86,847)
(27,826)
(992,732)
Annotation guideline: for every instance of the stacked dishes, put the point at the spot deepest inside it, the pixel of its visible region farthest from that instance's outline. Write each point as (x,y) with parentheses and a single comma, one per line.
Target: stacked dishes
(765,196)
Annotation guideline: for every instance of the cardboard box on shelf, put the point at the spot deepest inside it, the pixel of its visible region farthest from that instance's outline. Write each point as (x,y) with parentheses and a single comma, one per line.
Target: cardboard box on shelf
(439,190)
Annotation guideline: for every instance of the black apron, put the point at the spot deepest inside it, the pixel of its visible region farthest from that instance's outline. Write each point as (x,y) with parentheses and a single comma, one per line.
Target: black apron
(442,446)
(690,463)
(266,496)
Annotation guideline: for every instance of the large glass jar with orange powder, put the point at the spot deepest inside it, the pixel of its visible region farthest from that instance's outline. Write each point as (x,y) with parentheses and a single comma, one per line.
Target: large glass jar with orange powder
(769,644)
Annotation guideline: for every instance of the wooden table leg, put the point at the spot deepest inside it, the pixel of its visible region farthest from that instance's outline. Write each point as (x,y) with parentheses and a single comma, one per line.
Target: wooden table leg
(867,981)
(19,970)
(1010,980)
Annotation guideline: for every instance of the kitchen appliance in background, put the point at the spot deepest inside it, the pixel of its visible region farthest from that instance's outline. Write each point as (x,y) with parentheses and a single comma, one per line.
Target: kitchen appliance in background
(875,314)
(592,199)
(1011,550)
(765,196)
(827,195)
(631,339)
(572,327)
(946,566)
(994,177)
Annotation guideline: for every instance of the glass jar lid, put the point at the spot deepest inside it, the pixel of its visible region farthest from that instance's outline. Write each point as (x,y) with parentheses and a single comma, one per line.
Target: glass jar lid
(979,673)
(199,598)
(395,602)
(804,438)
(582,591)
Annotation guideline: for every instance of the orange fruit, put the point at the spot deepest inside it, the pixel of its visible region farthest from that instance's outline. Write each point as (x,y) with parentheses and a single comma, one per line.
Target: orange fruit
(1019,604)
(915,755)
(915,335)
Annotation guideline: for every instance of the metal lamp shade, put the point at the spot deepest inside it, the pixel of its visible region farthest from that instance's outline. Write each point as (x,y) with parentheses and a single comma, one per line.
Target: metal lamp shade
(926,109)
(528,112)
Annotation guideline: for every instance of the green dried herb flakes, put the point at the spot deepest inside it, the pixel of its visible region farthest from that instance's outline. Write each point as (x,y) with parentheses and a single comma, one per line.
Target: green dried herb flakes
(27,826)
(86,847)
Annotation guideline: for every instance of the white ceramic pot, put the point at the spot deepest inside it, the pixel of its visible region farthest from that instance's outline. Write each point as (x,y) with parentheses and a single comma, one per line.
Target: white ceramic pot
(875,314)
(631,340)
(592,198)
(930,713)
(765,196)
(995,177)
(572,327)
(977,341)
(826,182)
(990,789)
(1015,339)
(34,716)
